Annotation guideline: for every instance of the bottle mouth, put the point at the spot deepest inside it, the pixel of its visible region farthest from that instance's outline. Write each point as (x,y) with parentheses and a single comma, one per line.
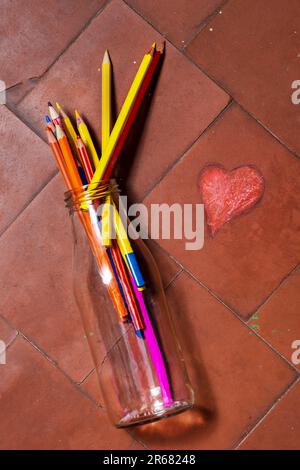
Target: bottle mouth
(82,197)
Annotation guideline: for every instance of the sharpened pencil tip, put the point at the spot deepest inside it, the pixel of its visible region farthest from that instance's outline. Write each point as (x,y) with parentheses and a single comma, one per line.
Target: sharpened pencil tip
(153,45)
(106,58)
(77,115)
(50,104)
(47,118)
(58,105)
(139,333)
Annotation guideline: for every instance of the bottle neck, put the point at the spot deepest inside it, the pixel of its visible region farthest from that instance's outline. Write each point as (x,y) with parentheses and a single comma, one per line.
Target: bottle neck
(83,197)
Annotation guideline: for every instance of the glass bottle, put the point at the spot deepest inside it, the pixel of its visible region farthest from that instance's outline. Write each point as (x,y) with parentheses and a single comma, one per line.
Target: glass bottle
(141,370)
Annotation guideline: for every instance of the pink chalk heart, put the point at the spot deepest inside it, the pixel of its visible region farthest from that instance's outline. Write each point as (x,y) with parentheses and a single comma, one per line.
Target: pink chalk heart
(227,194)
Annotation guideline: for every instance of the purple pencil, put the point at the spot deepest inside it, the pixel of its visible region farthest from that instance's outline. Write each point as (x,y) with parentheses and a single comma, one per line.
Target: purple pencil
(154,350)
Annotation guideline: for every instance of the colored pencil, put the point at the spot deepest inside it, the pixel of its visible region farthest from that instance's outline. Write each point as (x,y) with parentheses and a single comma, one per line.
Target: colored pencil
(154,349)
(84,158)
(73,182)
(68,157)
(86,139)
(123,278)
(69,129)
(127,289)
(113,249)
(121,120)
(89,173)
(132,116)
(54,115)
(126,249)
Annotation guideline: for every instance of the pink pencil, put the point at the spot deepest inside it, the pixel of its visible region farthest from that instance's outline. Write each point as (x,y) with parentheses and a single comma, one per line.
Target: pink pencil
(155,352)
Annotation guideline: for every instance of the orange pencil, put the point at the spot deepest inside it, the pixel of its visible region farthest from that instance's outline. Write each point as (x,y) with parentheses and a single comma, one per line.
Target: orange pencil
(68,157)
(54,145)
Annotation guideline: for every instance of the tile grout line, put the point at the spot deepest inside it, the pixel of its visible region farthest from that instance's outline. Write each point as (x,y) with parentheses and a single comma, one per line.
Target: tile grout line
(283,281)
(228,307)
(81,382)
(252,116)
(264,415)
(137,441)
(71,41)
(75,37)
(236,315)
(176,275)
(182,154)
(54,363)
(188,56)
(269,131)
(251,330)
(15,111)
(14,108)
(205,22)
(76,385)
(184,52)
(30,201)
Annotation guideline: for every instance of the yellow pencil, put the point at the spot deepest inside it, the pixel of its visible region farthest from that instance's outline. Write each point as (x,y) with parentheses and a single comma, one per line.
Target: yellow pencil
(86,139)
(126,249)
(106,100)
(118,127)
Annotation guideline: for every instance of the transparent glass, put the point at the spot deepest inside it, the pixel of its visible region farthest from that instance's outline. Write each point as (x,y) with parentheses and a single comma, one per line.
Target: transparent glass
(142,374)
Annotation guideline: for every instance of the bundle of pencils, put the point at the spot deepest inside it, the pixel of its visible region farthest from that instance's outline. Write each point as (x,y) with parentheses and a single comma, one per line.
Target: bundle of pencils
(81,165)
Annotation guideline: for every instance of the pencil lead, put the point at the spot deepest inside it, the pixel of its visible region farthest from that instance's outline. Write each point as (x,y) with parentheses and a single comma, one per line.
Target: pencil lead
(47,119)
(106,58)
(49,104)
(77,115)
(58,106)
(153,46)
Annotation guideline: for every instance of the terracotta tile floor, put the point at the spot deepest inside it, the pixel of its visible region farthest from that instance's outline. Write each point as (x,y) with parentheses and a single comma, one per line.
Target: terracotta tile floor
(224,95)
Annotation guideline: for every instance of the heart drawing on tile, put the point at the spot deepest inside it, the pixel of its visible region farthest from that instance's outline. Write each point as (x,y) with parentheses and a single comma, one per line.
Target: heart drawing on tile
(227,194)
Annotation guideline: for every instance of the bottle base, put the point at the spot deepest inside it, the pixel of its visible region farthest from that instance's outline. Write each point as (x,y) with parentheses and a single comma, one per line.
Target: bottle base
(136,418)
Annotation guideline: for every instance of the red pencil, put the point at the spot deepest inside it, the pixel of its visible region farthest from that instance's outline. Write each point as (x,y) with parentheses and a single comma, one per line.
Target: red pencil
(139,99)
(85,161)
